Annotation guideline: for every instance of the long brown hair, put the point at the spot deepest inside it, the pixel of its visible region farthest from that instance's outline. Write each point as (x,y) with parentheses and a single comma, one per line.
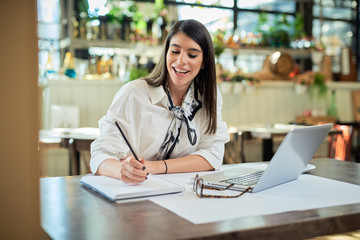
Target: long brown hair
(206,78)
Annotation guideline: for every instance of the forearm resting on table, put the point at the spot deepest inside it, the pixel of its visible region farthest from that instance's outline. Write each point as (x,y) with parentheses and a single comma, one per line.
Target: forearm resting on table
(191,163)
(109,167)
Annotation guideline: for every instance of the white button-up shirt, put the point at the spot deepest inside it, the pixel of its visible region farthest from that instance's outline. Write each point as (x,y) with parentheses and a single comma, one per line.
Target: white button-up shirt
(142,113)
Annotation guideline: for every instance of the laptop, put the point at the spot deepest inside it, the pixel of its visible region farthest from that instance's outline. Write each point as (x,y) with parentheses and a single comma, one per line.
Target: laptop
(287,164)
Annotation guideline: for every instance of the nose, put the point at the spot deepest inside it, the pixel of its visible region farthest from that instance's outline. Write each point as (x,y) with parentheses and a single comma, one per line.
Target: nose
(181,58)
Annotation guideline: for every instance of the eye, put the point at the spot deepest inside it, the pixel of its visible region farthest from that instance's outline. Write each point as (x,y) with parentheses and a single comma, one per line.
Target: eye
(192,56)
(175,51)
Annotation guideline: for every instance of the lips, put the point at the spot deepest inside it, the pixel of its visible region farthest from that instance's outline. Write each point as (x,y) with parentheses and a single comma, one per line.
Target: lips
(180,71)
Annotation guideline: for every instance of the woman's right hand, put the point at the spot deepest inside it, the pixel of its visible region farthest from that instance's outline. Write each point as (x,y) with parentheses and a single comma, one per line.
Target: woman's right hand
(132,170)
(127,170)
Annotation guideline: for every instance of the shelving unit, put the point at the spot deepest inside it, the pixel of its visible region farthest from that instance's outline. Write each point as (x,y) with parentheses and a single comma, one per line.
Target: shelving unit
(296,53)
(147,50)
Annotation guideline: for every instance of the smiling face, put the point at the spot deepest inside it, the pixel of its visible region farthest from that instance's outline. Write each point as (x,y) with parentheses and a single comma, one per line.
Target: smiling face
(184,59)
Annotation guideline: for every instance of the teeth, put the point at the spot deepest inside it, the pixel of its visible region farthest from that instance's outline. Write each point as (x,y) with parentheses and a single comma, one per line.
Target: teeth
(180,71)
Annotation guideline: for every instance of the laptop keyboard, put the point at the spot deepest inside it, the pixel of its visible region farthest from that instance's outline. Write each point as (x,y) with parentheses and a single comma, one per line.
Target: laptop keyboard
(246,180)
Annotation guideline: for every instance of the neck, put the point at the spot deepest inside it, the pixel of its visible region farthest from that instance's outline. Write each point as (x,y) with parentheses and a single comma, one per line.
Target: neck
(177,93)
(177,98)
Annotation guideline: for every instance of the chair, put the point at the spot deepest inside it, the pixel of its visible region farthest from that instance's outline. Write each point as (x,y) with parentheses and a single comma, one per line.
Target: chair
(234,149)
(340,145)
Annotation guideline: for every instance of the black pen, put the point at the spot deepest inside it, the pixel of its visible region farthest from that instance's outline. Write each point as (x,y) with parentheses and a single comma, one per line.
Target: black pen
(126,141)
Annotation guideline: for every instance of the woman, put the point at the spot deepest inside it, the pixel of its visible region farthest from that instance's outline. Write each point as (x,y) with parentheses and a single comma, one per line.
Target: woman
(171,118)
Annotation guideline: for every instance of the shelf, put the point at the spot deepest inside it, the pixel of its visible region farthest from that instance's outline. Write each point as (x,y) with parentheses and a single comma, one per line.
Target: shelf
(296,53)
(143,48)
(119,47)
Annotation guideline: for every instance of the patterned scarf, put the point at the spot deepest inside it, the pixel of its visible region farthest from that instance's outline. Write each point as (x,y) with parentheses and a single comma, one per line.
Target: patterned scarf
(186,113)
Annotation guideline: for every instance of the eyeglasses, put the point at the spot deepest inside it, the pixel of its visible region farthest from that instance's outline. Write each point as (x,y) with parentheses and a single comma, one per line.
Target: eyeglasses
(198,187)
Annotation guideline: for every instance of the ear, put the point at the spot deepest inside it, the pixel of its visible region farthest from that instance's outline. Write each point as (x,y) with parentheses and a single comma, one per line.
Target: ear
(202,65)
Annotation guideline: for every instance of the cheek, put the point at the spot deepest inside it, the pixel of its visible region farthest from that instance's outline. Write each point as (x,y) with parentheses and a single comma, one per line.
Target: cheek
(199,65)
(168,62)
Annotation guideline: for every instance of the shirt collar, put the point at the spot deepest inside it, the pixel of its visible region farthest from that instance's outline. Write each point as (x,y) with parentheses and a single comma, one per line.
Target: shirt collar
(157,94)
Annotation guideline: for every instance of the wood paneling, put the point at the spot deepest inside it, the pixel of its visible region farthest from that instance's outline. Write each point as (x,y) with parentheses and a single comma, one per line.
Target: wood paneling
(19,122)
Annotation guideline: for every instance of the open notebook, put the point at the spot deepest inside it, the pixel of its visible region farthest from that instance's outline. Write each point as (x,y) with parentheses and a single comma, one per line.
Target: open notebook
(116,190)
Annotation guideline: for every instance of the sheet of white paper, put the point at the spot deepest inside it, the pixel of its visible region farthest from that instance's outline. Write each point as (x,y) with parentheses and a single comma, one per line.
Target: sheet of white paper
(307,192)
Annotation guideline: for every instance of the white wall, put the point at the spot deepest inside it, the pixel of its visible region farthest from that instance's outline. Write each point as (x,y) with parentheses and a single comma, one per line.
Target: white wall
(271,102)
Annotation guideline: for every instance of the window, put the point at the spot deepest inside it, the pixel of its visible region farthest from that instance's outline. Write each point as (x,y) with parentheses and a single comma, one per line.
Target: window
(213,18)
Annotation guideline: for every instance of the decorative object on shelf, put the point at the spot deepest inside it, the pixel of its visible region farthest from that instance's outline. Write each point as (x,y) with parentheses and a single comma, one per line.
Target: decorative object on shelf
(115,19)
(317,58)
(332,111)
(239,86)
(161,20)
(69,65)
(136,73)
(278,66)
(226,87)
(318,95)
(49,68)
(302,82)
(317,54)
(282,64)
(316,83)
(82,25)
(348,65)
(237,82)
(225,83)
(250,85)
(300,88)
(218,42)
(318,86)
(83,6)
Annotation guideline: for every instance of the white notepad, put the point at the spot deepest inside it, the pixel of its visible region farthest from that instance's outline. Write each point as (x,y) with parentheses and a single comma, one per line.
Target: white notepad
(117,190)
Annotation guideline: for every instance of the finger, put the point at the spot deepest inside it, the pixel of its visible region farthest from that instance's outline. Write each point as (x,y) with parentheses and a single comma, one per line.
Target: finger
(146,170)
(133,171)
(130,176)
(134,167)
(126,179)
(131,159)
(135,163)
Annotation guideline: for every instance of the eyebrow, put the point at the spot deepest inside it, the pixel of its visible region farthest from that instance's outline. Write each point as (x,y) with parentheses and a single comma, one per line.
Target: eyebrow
(190,49)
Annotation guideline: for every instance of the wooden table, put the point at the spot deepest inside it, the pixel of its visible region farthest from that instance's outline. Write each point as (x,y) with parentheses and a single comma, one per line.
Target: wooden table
(74,139)
(71,211)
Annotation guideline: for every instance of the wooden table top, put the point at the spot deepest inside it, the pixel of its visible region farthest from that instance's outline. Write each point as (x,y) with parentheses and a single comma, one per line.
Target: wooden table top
(71,211)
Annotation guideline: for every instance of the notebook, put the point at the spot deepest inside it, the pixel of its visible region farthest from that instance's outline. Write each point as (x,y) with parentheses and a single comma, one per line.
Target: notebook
(287,164)
(117,190)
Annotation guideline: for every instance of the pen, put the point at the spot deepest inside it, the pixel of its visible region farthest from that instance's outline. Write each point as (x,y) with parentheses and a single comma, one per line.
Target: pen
(126,141)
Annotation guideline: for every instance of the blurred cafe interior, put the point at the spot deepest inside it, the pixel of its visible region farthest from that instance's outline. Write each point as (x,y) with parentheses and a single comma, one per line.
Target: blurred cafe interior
(280,64)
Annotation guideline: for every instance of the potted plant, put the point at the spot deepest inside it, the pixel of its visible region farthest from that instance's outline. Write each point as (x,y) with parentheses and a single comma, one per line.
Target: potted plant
(250,84)
(318,86)
(225,82)
(302,83)
(238,85)
(218,42)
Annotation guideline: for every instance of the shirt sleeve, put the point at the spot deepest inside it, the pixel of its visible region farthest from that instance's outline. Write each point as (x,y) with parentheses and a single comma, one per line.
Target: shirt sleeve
(212,146)
(110,143)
